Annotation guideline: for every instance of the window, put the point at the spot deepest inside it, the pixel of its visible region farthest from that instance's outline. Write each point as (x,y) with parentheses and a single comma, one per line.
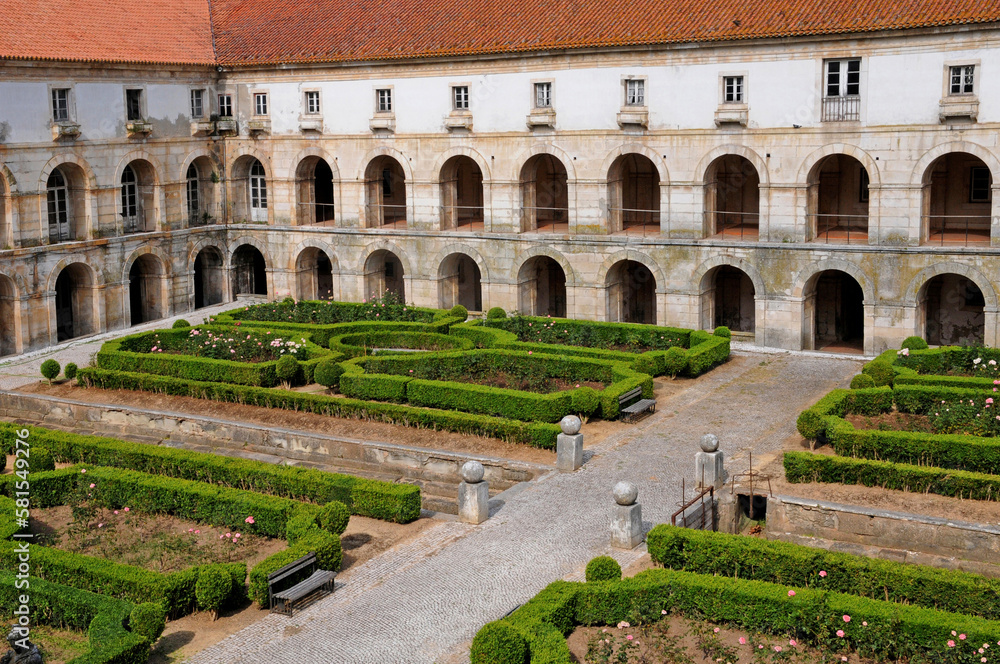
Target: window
(133,105)
(543,95)
(732,89)
(386,183)
(225,106)
(979,180)
(383,100)
(130,200)
(60,104)
(312,102)
(635,92)
(197,103)
(260,103)
(864,183)
(57,195)
(962,80)
(258,192)
(843,77)
(193,195)
(460,97)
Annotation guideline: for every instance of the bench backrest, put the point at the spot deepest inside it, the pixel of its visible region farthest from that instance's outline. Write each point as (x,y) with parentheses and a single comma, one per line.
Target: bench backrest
(291,568)
(631,394)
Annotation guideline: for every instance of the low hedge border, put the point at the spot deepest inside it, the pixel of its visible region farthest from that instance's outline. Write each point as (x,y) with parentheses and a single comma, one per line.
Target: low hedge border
(812,616)
(706,552)
(815,420)
(373,498)
(537,434)
(356,344)
(801,467)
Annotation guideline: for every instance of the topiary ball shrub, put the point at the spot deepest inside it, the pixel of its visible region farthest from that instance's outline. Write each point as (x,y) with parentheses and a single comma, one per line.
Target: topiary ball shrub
(810,424)
(288,300)
(328,373)
(179,323)
(460,311)
(675,361)
(498,643)
(41,459)
(914,343)
(50,369)
(70,371)
(862,381)
(213,587)
(286,369)
(603,568)
(585,400)
(880,371)
(496,313)
(334,517)
(723,331)
(148,620)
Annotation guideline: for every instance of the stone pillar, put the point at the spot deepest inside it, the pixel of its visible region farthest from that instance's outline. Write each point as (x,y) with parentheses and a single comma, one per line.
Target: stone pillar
(569,445)
(709,467)
(626,517)
(473,494)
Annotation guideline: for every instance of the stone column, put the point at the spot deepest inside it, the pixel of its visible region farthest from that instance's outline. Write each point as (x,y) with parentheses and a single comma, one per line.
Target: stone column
(709,463)
(626,517)
(569,445)
(473,494)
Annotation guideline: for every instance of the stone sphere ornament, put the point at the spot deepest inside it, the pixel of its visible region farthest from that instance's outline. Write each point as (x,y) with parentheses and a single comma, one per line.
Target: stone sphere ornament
(472,472)
(625,493)
(709,442)
(570,425)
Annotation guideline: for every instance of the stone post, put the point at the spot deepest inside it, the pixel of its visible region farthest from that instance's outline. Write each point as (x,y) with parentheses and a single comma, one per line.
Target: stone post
(708,464)
(473,494)
(569,445)
(626,517)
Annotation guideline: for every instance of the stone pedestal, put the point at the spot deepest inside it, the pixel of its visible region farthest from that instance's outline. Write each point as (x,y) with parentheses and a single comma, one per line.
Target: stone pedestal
(709,469)
(626,517)
(473,494)
(569,452)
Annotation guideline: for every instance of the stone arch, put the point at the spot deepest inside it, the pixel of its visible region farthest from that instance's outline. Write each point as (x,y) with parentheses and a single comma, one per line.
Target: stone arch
(239,241)
(198,245)
(67,158)
(76,308)
(141,155)
(544,148)
(637,148)
(384,245)
(459,248)
(11,340)
(730,293)
(634,194)
(379,273)
(385,151)
(537,250)
(910,295)
(208,283)
(76,195)
(463,151)
(8,180)
(635,256)
(50,281)
(146,287)
(311,243)
(807,274)
(698,177)
(315,201)
(198,154)
(731,261)
(249,197)
(8,211)
(388,189)
(142,251)
(815,157)
(932,155)
(316,271)
(250,270)
(249,151)
(459,278)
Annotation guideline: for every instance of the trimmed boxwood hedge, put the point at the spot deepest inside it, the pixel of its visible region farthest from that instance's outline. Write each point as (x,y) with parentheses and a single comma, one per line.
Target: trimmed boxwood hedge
(360,343)
(537,434)
(706,552)
(328,556)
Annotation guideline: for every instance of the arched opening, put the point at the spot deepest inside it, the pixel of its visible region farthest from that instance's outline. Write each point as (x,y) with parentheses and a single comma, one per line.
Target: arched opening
(541,288)
(208,278)
(732,198)
(6,230)
(76,302)
(10,318)
(838,200)
(250,190)
(314,275)
(314,188)
(200,183)
(634,195)
(66,204)
(461,195)
(834,310)
(384,274)
(146,280)
(728,298)
(953,309)
(249,271)
(957,200)
(631,289)
(137,197)
(544,195)
(385,193)
(460,282)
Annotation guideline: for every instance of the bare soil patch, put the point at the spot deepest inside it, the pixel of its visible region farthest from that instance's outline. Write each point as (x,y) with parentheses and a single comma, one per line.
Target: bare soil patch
(892,421)
(56,645)
(510,381)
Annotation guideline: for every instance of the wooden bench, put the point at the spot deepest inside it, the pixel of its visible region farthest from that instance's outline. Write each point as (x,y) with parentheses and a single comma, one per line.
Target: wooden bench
(319,583)
(628,413)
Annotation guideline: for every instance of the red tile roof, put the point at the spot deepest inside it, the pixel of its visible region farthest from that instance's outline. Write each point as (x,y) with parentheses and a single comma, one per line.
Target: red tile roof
(128,31)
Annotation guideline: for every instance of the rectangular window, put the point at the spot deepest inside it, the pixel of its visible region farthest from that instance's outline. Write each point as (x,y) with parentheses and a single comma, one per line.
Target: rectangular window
(843,77)
(962,80)
(60,104)
(260,103)
(312,102)
(979,180)
(732,89)
(225,106)
(197,103)
(460,97)
(543,95)
(386,183)
(635,92)
(133,105)
(864,183)
(383,100)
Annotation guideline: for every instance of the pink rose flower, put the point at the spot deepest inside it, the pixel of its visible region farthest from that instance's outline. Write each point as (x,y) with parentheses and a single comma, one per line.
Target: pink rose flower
(822,573)
(840,633)
(791,593)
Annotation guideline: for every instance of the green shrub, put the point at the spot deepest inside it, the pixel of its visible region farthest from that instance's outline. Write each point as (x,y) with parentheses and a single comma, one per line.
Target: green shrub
(328,556)
(914,343)
(301,523)
(880,371)
(328,373)
(179,323)
(496,313)
(675,361)
(723,331)
(585,400)
(645,364)
(50,369)
(603,568)
(70,370)
(41,459)
(334,517)
(498,643)
(810,424)
(212,589)
(286,369)
(458,311)
(862,381)
(148,620)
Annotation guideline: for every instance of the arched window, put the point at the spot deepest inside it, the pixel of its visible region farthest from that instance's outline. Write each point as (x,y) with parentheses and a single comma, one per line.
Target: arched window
(58,207)
(258,193)
(130,200)
(193,196)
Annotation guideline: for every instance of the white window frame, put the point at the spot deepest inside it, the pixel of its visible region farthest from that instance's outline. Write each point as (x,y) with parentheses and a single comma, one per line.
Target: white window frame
(197,110)
(384,103)
(226,97)
(309,96)
(141,89)
(70,110)
(733,88)
(261,103)
(543,94)
(257,192)
(635,92)
(461,99)
(192,190)
(950,70)
(59,210)
(843,75)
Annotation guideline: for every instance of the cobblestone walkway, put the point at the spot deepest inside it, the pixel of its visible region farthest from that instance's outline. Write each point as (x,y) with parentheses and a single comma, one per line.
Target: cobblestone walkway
(423,602)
